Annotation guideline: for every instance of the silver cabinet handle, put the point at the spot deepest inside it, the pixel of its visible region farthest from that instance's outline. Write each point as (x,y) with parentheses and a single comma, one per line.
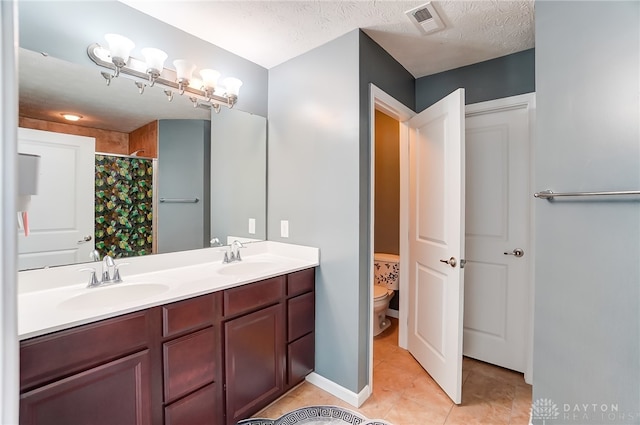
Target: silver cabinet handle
(451,261)
(85,239)
(516,252)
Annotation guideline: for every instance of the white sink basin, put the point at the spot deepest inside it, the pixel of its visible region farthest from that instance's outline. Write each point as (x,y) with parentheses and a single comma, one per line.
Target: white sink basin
(108,296)
(245,268)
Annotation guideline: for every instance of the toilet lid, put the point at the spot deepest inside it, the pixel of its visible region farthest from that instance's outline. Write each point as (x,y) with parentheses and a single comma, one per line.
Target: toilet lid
(379,291)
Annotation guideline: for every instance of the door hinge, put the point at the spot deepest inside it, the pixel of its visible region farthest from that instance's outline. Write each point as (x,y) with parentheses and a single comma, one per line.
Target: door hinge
(462,263)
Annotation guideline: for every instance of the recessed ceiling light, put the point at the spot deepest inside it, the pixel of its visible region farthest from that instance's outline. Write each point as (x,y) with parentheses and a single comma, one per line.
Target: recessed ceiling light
(71,117)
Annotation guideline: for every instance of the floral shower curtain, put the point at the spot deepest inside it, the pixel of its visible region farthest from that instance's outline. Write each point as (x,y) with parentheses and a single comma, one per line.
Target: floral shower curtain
(123,206)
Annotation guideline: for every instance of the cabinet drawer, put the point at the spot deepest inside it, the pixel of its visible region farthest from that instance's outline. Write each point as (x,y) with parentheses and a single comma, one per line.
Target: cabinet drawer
(189,363)
(253,295)
(300,315)
(198,408)
(46,358)
(113,393)
(300,358)
(300,282)
(187,315)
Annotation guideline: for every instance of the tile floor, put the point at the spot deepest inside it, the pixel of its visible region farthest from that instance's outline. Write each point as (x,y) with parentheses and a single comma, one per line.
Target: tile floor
(404,394)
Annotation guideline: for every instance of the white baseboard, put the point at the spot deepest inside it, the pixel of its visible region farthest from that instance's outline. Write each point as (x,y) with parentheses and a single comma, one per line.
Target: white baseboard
(393,313)
(342,393)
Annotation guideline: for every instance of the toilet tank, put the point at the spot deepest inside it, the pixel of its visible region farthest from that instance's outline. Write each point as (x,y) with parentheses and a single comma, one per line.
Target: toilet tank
(386,270)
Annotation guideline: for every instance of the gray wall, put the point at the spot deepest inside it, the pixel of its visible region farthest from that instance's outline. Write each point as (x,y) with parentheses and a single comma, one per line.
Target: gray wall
(313,182)
(183,172)
(318,179)
(587,303)
(493,79)
(64,29)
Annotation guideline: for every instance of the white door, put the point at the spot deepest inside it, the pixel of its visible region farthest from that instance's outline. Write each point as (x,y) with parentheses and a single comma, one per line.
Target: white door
(436,241)
(61,215)
(497,232)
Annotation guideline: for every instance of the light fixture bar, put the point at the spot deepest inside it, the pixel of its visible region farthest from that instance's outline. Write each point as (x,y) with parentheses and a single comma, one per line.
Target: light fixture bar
(137,70)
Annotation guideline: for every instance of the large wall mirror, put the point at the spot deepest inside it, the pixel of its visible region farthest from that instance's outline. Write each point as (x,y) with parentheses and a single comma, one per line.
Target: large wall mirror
(218,159)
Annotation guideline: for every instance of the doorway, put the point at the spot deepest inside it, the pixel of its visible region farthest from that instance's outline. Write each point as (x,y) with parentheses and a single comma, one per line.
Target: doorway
(474,331)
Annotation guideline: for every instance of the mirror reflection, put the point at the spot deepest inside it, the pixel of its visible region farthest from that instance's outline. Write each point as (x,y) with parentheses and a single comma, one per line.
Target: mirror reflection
(102,178)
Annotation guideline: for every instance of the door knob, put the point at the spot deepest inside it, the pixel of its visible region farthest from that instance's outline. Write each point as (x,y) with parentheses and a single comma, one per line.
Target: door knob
(516,252)
(85,239)
(451,261)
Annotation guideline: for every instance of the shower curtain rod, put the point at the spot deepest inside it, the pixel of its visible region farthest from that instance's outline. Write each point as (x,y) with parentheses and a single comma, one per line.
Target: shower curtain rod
(549,194)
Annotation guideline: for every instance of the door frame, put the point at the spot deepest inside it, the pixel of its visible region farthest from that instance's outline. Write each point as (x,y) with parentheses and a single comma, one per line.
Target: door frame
(9,354)
(378,99)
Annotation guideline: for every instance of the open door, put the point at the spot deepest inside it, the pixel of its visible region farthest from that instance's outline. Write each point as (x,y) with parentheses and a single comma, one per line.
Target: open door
(62,213)
(436,241)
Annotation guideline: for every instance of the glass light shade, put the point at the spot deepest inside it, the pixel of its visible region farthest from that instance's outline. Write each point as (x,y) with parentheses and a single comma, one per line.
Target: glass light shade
(210,78)
(154,59)
(232,85)
(195,83)
(184,69)
(120,47)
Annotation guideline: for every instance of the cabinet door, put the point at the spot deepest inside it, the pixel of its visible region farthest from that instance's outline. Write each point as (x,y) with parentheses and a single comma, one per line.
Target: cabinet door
(114,393)
(254,361)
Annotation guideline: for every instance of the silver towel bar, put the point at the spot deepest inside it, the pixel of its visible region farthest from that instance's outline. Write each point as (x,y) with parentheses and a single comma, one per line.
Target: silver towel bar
(548,194)
(180,200)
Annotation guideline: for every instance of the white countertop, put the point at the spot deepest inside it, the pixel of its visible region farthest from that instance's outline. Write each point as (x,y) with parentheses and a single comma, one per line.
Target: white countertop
(53,299)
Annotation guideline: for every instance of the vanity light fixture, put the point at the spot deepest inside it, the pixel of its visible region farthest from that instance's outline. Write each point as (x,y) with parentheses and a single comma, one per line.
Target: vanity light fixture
(151,71)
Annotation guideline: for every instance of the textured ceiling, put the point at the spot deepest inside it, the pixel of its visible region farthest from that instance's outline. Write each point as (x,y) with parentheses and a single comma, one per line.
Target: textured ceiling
(269,33)
(272,32)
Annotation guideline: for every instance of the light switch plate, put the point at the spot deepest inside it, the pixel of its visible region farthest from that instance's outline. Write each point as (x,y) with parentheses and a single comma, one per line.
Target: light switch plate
(252,226)
(284,228)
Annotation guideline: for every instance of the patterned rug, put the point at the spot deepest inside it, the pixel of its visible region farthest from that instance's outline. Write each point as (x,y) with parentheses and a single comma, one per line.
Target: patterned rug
(317,415)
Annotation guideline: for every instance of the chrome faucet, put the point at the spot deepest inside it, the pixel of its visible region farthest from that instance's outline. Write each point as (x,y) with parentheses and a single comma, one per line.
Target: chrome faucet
(107,265)
(236,245)
(94,255)
(233,253)
(110,273)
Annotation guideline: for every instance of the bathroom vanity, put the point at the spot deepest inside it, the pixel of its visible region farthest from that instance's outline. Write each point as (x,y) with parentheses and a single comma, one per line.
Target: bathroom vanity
(210,357)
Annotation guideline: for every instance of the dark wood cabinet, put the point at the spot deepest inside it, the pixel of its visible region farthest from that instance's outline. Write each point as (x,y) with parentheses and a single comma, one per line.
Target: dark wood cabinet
(213,359)
(117,392)
(254,361)
(269,341)
(191,361)
(301,323)
(199,408)
(50,357)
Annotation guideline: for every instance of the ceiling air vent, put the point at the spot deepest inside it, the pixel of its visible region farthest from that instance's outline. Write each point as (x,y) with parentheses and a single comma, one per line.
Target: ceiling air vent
(425,18)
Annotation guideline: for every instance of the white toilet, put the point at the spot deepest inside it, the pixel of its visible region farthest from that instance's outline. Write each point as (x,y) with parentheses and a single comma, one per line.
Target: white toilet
(386,268)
